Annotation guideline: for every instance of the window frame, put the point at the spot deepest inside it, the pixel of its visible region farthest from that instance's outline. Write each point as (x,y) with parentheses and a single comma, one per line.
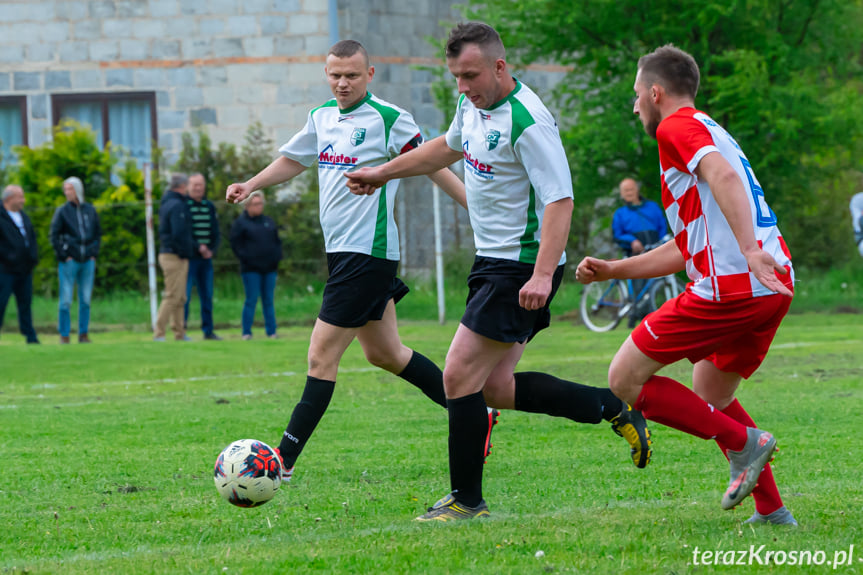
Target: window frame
(21,100)
(103,98)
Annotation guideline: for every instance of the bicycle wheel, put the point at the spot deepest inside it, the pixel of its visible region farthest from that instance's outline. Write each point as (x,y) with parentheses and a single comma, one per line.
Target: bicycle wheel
(662,290)
(601,304)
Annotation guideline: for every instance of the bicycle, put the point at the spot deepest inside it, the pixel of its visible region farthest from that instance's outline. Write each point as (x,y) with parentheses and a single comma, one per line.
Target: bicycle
(605,303)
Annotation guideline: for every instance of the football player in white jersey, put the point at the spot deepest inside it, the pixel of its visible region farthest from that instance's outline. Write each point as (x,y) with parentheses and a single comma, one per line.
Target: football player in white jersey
(354,128)
(725,236)
(519,196)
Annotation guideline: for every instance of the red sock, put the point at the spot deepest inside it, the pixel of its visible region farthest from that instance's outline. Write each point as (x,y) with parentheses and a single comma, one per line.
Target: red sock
(668,402)
(766,493)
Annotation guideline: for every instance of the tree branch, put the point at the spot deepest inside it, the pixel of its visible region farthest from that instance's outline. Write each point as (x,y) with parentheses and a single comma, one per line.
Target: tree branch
(807,22)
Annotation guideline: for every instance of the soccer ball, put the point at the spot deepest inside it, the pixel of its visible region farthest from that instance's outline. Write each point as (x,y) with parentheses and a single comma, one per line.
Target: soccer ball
(248,473)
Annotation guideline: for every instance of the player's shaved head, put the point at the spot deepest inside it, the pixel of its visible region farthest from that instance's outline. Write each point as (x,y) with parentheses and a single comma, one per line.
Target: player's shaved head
(347,48)
(482,35)
(671,68)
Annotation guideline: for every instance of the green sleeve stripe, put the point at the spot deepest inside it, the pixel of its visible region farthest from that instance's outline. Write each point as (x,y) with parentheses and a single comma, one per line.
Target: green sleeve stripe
(389,116)
(330,104)
(521,119)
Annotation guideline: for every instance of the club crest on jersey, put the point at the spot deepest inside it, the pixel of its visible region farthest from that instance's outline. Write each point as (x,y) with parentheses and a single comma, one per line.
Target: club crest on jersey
(491,139)
(358,136)
(328,159)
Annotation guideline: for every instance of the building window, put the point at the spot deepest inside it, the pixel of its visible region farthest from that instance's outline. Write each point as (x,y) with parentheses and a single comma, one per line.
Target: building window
(13,126)
(127,120)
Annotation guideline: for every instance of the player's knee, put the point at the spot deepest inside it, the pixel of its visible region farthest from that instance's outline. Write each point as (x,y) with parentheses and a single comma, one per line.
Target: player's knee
(381,358)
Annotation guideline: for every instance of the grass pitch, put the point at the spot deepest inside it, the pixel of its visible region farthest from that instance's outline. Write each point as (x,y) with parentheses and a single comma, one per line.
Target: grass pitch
(108,449)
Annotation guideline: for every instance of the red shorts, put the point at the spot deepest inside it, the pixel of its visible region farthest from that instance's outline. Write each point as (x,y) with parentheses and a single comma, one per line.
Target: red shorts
(733,335)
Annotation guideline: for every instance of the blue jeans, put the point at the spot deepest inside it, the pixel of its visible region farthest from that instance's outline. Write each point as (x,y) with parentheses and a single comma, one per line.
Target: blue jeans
(201,275)
(259,285)
(73,273)
(22,287)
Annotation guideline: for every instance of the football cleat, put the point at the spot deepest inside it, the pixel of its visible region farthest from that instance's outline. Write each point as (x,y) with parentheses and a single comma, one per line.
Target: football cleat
(286,473)
(493,414)
(631,425)
(449,509)
(746,465)
(779,517)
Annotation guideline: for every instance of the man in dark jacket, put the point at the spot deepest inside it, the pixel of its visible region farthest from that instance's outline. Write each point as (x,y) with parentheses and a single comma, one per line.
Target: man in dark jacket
(205,231)
(176,246)
(255,240)
(18,256)
(76,236)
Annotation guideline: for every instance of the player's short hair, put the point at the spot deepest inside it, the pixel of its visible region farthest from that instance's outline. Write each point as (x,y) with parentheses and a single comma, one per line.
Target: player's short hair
(347,48)
(478,33)
(671,68)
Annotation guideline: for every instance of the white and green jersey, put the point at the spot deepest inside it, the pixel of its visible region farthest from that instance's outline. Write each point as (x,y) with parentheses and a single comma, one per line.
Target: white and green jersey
(368,133)
(514,166)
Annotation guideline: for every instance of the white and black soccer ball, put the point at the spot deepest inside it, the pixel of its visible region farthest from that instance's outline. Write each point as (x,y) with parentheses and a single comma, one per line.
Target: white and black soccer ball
(247,473)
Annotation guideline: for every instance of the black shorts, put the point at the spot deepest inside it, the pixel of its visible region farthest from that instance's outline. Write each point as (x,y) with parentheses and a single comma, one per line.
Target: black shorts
(359,288)
(492,301)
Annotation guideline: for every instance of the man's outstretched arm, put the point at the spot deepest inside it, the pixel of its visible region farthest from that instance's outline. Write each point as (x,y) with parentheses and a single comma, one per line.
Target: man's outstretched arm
(432,156)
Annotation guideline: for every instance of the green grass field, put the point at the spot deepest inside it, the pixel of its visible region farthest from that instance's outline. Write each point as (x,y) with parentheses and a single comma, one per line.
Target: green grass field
(108,450)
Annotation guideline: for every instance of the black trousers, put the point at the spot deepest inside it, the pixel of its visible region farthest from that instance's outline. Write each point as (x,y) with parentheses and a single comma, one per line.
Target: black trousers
(22,286)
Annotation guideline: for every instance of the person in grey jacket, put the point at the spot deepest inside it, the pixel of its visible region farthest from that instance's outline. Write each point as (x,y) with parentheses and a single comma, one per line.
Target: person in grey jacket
(76,236)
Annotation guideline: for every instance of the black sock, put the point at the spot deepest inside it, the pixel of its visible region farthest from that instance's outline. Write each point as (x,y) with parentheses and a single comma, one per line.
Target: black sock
(468,428)
(423,373)
(542,393)
(304,419)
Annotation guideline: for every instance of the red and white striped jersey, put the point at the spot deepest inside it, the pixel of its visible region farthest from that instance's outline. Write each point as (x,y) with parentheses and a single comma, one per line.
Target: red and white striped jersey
(714,261)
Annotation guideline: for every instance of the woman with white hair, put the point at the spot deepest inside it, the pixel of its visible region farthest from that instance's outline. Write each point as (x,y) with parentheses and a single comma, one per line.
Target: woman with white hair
(76,236)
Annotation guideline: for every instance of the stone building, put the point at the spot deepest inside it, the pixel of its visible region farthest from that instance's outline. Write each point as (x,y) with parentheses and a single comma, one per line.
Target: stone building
(140,71)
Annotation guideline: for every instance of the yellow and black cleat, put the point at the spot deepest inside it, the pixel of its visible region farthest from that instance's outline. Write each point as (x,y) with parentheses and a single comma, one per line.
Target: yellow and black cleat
(631,425)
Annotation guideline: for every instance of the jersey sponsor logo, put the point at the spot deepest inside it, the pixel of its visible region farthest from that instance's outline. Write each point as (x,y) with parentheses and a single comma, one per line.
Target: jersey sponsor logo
(484,171)
(483,115)
(329,160)
(358,136)
(343,118)
(491,139)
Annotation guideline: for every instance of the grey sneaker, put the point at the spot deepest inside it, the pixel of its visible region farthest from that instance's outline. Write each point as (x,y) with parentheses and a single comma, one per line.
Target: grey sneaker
(746,465)
(779,517)
(449,509)
(158,338)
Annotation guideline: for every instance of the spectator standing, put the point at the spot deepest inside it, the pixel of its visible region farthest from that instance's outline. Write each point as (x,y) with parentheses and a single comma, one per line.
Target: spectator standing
(76,236)
(176,246)
(255,240)
(205,232)
(18,256)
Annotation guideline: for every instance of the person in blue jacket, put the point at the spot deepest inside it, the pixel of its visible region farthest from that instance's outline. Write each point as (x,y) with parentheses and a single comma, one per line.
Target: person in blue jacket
(639,222)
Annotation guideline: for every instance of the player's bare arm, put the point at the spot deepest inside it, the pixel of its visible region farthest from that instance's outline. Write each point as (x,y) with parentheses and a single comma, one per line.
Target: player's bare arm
(555,231)
(280,170)
(446,180)
(664,260)
(731,197)
(431,157)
